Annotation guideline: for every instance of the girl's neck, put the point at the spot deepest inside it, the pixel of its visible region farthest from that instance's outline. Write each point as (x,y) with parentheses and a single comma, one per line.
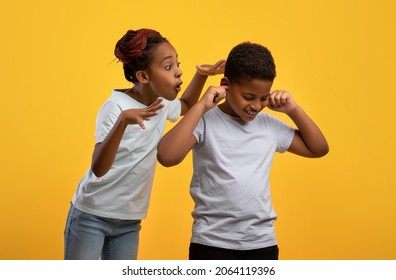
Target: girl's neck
(143,96)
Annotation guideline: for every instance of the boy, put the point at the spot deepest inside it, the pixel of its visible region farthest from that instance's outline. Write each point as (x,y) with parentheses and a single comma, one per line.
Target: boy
(233,147)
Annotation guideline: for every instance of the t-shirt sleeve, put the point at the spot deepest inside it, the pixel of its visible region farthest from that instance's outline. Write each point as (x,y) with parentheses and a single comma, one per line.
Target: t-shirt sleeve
(106,119)
(199,131)
(284,134)
(173,109)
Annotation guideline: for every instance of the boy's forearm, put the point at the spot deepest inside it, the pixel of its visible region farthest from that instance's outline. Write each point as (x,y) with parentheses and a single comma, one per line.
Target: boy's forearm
(192,92)
(310,132)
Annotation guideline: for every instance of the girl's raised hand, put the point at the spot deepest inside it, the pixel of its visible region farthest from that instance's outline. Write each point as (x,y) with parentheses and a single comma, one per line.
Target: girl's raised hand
(138,116)
(211,70)
(281,101)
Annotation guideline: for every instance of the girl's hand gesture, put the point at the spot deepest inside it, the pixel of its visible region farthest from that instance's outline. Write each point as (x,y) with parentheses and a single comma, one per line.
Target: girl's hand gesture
(281,101)
(211,70)
(138,116)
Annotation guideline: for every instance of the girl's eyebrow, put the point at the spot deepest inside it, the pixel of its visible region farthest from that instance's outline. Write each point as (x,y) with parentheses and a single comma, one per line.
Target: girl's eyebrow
(165,58)
(168,57)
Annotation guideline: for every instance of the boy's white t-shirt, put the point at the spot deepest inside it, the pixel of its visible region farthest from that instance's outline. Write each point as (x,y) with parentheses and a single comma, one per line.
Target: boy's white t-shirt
(124,191)
(230,184)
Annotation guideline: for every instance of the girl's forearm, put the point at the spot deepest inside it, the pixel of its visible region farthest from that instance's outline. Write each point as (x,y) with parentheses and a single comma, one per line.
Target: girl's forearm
(192,92)
(105,152)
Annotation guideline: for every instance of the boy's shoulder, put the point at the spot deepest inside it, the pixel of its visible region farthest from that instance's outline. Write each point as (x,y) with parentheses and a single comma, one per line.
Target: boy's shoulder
(216,112)
(266,116)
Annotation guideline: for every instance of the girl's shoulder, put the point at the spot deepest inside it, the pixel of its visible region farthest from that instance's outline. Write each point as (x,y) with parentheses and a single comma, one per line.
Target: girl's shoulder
(124,101)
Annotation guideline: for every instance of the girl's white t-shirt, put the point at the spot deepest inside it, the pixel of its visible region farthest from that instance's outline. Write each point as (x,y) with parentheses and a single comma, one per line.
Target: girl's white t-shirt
(124,191)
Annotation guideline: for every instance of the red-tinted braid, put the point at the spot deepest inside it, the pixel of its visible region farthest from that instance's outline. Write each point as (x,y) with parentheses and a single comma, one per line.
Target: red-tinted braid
(128,50)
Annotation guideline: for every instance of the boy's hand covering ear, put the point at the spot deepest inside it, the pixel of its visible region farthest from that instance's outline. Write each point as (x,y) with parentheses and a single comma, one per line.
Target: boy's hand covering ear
(212,96)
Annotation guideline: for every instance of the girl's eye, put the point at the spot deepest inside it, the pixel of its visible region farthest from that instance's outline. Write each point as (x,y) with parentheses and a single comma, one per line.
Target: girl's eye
(169,67)
(264,98)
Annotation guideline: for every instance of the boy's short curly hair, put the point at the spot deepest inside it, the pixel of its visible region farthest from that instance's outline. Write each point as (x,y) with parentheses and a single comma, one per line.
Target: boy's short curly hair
(249,61)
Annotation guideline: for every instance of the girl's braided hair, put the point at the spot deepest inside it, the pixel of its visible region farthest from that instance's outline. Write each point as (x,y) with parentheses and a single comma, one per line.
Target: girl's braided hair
(134,50)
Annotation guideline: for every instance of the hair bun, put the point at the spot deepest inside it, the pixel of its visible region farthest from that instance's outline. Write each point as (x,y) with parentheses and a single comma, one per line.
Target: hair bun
(132,44)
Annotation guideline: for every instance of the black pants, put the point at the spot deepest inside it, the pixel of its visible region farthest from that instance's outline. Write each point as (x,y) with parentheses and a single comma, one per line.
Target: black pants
(203,252)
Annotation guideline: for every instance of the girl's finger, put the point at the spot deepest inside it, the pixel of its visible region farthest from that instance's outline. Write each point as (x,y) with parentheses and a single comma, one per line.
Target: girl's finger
(155,103)
(141,124)
(155,106)
(219,64)
(148,114)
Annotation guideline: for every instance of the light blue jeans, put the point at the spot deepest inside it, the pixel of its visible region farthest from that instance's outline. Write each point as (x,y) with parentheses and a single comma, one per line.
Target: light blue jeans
(89,237)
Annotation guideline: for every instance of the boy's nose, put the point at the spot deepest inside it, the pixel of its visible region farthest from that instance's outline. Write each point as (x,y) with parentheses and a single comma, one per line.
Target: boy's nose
(256,105)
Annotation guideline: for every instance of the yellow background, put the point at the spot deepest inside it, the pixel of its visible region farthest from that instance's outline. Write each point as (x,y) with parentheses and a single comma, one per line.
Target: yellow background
(336,57)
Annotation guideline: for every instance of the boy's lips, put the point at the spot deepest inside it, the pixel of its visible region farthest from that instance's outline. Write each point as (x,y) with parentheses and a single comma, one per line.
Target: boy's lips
(251,115)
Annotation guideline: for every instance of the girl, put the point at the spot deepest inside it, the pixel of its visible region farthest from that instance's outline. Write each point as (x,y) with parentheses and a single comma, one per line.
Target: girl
(113,196)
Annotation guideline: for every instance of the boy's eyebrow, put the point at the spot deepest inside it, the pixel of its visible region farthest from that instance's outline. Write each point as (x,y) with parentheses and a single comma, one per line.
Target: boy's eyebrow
(253,94)
(250,93)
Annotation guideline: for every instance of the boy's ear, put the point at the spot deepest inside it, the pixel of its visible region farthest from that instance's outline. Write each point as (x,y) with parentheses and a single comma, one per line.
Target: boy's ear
(142,77)
(224,81)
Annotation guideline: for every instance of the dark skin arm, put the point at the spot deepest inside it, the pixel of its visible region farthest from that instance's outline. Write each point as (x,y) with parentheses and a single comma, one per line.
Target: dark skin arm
(105,152)
(192,92)
(175,145)
(308,140)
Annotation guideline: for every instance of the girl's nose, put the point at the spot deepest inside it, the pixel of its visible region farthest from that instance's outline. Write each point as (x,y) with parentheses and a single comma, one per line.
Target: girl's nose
(179,72)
